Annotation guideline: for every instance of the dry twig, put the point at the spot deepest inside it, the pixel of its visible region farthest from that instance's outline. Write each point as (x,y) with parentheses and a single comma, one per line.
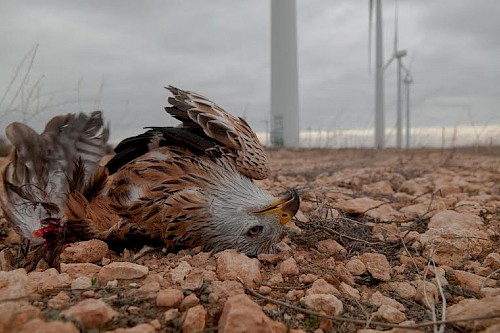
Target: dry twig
(358,321)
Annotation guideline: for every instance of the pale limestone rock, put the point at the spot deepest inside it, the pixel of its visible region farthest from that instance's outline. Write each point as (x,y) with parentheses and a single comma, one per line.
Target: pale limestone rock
(189,301)
(84,252)
(49,279)
(469,308)
(492,260)
(472,281)
(14,314)
(227,288)
(453,238)
(119,270)
(427,293)
(40,326)
(231,264)
(283,247)
(91,313)
(289,267)
(382,187)
(170,298)
(307,206)
(490,292)
(410,237)
(359,205)
(412,187)
(76,270)
(349,292)
(295,295)
(112,284)
(15,285)
(377,265)
(403,289)
(423,209)
(470,207)
(141,328)
(356,267)
(446,189)
(194,279)
(320,286)
(384,213)
(386,232)
(171,314)
(329,304)
(293,228)
(150,287)
(378,299)
(59,301)
(343,274)
(82,282)
(265,290)
(307,278)
(269,258)
(375,209)
(331,247)
(179,273)
(240,313)
(389,314)
(194,319)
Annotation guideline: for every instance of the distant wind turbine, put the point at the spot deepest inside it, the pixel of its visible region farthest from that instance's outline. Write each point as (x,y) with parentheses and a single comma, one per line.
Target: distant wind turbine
(407,81)
(398,55)
(379,71)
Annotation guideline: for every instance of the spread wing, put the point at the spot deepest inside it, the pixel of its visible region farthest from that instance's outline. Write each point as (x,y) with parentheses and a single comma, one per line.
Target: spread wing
(35,178)
(206,129)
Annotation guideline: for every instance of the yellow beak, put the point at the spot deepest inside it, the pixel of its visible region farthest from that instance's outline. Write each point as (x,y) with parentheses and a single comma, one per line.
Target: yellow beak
(286,206)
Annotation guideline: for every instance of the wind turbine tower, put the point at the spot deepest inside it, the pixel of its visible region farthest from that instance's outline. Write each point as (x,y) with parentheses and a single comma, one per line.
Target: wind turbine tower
(284,75)
(379,72)
(407,81)
(398,55)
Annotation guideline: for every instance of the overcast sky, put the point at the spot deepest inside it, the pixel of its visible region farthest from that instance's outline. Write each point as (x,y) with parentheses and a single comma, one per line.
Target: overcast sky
(117,55)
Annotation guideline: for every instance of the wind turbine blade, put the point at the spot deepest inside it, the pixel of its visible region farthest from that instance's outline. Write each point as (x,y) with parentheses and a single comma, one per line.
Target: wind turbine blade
(388,63)
(370,18)
(411,60)
(407,71)
(396,26)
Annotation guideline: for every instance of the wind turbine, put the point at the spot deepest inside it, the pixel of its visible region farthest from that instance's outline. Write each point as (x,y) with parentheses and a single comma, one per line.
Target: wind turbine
(407,81)
(379,71)
(398,55)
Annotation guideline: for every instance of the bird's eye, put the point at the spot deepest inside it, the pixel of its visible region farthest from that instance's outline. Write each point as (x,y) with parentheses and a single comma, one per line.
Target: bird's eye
(254,231)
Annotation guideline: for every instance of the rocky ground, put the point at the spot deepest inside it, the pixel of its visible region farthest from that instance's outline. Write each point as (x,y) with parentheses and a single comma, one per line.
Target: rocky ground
(384,241)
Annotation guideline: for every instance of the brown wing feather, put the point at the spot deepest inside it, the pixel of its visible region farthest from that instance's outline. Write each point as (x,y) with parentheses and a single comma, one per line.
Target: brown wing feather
(195,110)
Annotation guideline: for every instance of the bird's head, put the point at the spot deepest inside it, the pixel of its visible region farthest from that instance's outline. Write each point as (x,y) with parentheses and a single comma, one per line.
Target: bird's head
(246,218)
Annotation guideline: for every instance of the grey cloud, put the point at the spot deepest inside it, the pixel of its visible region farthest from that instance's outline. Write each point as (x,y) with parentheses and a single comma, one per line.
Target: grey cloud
(221,49)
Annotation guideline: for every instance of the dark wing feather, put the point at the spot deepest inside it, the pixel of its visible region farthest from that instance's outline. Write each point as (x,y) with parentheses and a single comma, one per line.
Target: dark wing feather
(134,147)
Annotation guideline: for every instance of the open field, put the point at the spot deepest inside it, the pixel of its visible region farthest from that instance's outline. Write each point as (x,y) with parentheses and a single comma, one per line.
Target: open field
(388,238)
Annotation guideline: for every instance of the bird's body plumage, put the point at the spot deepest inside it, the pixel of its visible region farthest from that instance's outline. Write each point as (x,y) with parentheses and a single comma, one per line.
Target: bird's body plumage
(183,186)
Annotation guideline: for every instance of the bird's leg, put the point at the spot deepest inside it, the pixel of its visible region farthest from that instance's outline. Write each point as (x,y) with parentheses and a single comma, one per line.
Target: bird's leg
(24,251)
(31,260)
